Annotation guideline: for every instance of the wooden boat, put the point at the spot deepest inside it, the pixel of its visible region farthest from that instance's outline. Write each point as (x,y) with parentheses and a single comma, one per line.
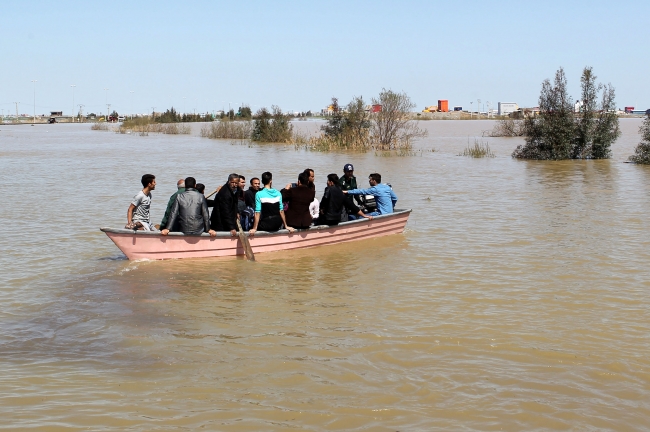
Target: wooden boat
(152,245)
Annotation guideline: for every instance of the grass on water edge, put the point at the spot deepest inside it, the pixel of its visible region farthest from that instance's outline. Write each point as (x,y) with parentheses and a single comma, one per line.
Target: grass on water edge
(480,149)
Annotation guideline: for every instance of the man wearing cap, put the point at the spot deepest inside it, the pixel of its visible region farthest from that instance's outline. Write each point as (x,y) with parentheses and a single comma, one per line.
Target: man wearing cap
(348,181)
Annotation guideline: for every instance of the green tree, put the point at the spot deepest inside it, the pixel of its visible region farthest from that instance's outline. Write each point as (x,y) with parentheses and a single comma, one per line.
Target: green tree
(272,126)
(559,133)
(642,152)
(245,113)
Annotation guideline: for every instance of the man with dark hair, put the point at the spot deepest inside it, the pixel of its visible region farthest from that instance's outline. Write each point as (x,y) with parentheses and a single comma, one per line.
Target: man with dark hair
(224,215)
(299,199)
(384,195)
(191,210)
(138,216)
(249,195)
(334,202)
(241,202)
(269,215)
(180,184)
(310,175)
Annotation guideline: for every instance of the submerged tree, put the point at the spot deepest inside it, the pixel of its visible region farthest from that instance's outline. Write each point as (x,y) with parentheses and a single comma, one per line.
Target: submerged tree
(642,152)
(348,128)
(559,133)
(272,126)
(392,127)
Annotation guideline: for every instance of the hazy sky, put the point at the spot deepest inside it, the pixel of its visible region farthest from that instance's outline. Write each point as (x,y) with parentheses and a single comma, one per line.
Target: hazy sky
(299,54)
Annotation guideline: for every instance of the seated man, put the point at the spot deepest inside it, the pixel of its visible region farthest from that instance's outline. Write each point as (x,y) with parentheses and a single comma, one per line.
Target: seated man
(334,203)
(224,215)
(299,199)
(384,195)
(191,211)
(249,195)
(180,184)
(269,215)
(137,216)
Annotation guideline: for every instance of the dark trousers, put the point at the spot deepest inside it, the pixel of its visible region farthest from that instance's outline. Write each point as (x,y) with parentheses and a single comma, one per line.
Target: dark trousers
(271,223)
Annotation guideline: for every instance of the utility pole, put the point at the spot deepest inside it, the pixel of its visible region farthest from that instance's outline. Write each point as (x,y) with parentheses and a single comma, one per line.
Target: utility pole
(108,110)
(106,90)
(470,110)
(478,109)
(73,86)
(81,112)
(153,113)
(131,104)
(34,81)
(16,110)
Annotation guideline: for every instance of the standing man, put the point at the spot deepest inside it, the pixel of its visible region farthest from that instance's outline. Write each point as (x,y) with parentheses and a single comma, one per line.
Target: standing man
(137,216)
(190,209)
(334,203)
(180,184)
(269,215)
(384,195)
(224,215)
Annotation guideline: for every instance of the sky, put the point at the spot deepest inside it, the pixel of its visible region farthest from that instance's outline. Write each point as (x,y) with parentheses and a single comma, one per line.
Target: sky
(208,55)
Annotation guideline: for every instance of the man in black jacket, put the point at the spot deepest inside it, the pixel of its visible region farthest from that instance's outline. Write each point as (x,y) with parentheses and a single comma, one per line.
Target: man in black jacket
(224,215)
(190,210)
(333,202)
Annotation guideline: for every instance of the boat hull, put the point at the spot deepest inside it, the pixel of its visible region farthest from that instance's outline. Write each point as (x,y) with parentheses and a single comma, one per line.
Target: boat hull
(152,245)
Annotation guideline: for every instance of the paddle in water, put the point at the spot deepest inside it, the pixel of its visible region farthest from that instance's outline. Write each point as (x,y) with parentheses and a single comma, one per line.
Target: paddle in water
(248,250)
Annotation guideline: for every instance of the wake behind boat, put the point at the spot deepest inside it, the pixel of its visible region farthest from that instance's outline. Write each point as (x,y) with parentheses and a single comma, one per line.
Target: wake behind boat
(152,245)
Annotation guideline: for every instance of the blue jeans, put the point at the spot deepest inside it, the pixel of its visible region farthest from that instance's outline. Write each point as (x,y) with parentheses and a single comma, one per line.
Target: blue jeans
(355,217)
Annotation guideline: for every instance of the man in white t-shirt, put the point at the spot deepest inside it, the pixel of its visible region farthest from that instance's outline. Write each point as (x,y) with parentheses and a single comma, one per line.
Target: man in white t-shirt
(137,216)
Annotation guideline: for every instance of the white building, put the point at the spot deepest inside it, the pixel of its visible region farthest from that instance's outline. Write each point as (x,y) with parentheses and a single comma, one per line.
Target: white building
(506,108)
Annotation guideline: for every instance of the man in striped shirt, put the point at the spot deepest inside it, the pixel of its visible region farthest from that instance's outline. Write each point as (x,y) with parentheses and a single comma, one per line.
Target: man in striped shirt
(269,215)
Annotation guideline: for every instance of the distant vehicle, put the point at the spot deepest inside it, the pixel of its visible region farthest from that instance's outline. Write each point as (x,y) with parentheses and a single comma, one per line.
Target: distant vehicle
(51,120)
(112,119)
(120,118)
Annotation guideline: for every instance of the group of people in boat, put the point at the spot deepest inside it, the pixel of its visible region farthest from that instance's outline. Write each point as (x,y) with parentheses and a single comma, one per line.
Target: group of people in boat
(261,207)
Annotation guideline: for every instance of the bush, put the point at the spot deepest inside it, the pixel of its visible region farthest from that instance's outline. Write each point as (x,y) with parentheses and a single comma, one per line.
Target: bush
(272,126)
(225,129)
(478,150)
(355,128)
(642,152)
(99,126)
(507,127)
(559,134)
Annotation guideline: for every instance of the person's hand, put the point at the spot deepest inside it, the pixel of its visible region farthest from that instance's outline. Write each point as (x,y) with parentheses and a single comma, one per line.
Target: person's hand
(164,232)
(345,192)
(233,232)
(291,229)
(288,186)
(212,233)
(251,232)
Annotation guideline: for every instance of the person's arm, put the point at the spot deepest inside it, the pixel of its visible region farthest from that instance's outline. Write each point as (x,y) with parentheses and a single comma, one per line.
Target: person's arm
(172,218)
(163,223)
(258,212)
(251,232)
(284,221)
(370,191)
(129,215)
(206,218)
(393,198)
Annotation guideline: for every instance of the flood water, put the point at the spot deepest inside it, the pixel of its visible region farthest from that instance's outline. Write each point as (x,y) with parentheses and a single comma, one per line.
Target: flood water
(517,298)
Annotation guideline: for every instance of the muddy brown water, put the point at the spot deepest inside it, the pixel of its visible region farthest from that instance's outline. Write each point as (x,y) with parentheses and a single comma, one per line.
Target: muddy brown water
(517,299)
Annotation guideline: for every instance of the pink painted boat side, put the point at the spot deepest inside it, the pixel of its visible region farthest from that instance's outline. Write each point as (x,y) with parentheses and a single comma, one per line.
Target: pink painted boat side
(152,245)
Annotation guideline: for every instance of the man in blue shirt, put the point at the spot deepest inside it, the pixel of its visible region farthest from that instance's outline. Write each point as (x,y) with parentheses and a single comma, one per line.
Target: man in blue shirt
(384,195)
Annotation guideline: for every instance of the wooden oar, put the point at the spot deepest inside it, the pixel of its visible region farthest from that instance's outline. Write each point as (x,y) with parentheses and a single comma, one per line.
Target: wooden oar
(213,192)
(248,250)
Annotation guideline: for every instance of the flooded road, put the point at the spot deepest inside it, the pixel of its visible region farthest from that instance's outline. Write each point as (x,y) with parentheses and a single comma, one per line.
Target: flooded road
(517,298)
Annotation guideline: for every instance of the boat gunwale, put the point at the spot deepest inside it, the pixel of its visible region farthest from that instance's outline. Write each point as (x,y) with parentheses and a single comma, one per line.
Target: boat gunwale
(257,233)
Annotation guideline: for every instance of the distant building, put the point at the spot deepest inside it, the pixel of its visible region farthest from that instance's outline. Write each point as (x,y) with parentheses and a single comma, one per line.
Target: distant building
(506,108)
(577,107)
(629,109)
(443,105)
(56,113)
(458,108)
